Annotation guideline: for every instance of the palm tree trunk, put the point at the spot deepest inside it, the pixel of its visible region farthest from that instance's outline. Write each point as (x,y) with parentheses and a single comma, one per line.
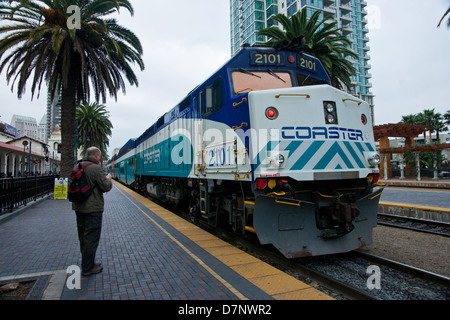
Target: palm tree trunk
(68,110)
(68,116)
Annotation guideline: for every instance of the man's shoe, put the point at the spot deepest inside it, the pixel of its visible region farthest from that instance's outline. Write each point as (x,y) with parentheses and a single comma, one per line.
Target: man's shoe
(96,269)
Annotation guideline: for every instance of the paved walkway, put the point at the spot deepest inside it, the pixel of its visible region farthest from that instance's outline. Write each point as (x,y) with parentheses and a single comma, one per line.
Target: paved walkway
(144,257)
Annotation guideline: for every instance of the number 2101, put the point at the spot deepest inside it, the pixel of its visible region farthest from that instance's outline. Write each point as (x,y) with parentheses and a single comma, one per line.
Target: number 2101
(272,58)
(221,156)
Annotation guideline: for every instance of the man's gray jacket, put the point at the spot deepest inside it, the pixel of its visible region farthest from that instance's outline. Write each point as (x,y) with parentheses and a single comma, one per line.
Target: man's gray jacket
(96,178)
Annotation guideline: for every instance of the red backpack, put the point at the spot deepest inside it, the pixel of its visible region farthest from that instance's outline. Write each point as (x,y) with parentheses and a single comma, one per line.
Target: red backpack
(79,189)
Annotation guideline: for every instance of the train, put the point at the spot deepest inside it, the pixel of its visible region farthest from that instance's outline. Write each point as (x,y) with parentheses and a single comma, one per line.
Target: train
(267,147)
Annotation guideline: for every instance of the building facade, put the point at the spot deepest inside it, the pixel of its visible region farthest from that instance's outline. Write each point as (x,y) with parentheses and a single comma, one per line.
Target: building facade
(53,113)
(26,126)
(250,16)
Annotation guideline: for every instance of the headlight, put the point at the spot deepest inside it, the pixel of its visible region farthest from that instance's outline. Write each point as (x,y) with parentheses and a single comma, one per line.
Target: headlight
(329,107)
(374,160)
(330,112)
(278,160)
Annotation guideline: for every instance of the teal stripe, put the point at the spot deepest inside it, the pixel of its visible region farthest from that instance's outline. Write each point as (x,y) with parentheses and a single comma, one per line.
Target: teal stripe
(360,148)
(326,159)
(354,155)
(370,147)
(304,159)
(293,146)
(271,145)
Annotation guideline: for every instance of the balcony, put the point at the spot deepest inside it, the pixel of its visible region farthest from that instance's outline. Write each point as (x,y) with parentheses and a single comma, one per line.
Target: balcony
(345,9)
(346,17)
(346,31)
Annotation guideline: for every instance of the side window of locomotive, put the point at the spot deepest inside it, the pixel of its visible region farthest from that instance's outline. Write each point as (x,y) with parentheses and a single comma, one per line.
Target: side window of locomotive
(209,100)
(305,80)
(213,97)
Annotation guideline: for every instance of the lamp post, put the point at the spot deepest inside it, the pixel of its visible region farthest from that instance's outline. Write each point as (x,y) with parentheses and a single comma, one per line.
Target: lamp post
(25,143)
(29,159)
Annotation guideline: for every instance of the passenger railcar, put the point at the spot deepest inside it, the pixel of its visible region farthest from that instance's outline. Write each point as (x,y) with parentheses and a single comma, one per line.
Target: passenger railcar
(265,146)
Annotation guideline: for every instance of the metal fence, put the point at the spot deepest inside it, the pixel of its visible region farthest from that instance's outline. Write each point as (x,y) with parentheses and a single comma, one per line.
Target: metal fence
(17,192)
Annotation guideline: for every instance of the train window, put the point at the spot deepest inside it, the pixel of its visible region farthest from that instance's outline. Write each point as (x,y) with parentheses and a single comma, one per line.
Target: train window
(185,103)
(213,96)
(246,81)
(209,99)
(305,80)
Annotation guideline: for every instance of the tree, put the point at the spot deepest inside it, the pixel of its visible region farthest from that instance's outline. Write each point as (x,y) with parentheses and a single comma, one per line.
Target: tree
(416,119)
(94,127)
(433,121)
(443,17)
(320,39)
(43,45)
(447,118)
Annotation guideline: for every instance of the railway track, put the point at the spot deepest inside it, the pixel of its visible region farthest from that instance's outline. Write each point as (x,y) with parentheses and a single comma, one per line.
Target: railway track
(420,225)
(345,276)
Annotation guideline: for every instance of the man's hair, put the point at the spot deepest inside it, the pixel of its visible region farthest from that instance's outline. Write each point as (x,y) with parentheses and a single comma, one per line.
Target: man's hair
(92,151)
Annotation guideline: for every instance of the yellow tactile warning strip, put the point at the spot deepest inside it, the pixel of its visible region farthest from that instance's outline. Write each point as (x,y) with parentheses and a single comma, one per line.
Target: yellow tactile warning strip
(274,282)
(432,184)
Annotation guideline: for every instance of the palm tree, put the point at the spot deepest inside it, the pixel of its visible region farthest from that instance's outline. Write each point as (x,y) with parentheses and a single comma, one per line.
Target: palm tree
(433,121)
(43,46)
(443,17)
(428,117)
(320,39)
(94,126)
(447,118)
(416,119)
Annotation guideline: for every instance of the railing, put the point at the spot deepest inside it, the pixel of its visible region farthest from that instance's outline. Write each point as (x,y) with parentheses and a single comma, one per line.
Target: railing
(17,192)
(411,173)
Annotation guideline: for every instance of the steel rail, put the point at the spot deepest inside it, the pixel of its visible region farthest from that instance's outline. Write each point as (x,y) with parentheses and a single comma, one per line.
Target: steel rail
(417,272)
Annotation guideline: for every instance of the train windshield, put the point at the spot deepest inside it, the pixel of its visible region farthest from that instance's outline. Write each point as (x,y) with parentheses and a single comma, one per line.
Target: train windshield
(246,81)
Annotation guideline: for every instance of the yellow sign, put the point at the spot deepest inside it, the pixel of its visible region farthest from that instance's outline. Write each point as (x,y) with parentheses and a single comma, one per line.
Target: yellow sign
(61,189)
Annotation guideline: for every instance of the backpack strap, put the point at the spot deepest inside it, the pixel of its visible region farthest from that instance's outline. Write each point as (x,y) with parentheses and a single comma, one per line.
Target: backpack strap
(89,164)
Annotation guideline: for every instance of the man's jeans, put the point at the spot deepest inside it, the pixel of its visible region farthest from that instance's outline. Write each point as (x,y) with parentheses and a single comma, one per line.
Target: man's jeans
(89,230)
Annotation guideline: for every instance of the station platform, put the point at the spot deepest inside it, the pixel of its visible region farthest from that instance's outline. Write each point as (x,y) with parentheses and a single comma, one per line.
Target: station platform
(425,183)
(428,200)
(147,253)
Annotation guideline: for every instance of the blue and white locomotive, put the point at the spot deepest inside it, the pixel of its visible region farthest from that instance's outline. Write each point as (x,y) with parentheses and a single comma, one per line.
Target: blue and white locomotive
(266,146)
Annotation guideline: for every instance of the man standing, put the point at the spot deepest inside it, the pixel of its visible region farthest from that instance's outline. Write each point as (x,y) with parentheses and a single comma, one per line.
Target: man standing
(90,212)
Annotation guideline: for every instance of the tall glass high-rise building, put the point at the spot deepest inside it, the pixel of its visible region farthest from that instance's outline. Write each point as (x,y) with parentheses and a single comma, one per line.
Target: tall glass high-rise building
(249,16)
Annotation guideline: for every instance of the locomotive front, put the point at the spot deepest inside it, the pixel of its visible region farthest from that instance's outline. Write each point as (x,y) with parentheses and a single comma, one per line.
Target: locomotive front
(315,168)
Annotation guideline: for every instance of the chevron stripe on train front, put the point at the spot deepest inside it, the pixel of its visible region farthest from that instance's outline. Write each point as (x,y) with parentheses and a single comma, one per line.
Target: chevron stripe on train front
(323,155)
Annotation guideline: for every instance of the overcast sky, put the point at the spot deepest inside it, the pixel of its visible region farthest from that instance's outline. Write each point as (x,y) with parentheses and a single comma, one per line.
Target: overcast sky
(187,41)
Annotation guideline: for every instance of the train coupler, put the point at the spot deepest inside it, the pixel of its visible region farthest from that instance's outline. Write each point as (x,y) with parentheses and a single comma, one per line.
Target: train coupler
(337,220)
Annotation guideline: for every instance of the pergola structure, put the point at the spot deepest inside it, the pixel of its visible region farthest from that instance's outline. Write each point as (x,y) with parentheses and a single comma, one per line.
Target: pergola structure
(409,132)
